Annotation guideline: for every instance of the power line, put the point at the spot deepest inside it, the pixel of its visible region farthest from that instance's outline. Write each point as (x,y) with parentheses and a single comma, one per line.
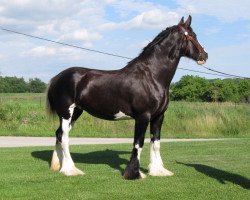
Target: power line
(225,74)
(218,73)
(191,70)
(65,44)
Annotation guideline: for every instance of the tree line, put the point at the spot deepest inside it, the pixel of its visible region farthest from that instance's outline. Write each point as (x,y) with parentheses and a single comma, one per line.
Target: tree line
(19,85)
(195,88)
(188,88)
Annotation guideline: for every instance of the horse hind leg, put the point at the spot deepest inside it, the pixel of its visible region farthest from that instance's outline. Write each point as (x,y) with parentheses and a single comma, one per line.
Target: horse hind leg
(61,159)
(57,156)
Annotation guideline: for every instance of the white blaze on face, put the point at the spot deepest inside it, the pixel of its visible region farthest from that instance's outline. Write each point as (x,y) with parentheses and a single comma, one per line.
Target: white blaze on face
(121,116)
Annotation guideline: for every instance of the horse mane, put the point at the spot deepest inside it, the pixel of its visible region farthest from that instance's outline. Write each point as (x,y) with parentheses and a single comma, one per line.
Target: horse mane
(147,50)
(157,40)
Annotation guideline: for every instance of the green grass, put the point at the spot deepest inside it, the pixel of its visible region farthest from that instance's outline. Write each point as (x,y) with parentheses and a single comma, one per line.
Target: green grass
(203,170)
(25,115)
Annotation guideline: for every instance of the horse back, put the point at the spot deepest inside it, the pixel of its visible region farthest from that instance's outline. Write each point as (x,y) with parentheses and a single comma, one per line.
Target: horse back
(105,93)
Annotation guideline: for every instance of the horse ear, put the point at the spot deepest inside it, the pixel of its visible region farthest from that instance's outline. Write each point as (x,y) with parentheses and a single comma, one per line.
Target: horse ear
(188,21)
(182,21)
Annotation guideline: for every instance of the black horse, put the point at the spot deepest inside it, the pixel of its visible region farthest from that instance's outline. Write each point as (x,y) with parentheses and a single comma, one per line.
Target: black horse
(139,91)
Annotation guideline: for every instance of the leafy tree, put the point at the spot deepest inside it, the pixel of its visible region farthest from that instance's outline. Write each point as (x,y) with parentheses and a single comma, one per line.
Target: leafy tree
(12,85)
(194,88)
(36,86)
(191,88)
(19,85)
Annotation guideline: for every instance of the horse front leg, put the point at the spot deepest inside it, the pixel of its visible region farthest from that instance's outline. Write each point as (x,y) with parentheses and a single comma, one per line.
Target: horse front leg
(132,170)
(156,167)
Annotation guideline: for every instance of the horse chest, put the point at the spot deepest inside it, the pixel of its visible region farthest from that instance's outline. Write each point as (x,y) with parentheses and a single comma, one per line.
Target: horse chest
(162,103)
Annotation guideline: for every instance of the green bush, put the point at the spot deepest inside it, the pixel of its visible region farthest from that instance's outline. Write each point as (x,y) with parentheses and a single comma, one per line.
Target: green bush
(194,88)
(19,85)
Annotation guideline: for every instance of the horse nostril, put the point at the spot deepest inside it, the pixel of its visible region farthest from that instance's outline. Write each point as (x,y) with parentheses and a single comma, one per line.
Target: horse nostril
(203,56)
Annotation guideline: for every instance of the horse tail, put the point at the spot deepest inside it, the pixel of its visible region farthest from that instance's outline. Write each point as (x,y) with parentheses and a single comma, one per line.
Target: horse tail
(61,91)
(50,103)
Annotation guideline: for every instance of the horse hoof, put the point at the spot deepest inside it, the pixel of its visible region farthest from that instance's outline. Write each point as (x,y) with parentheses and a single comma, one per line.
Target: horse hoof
(55,162)
(142,175)
(55,166)
(130,175)
(72,172)
(160,172)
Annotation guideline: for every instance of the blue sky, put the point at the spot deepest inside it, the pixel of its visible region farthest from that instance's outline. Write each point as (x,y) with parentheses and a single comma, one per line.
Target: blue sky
(121,27)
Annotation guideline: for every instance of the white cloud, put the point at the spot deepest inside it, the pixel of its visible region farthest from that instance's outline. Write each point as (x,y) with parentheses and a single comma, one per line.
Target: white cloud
(39,10)
(47,51)
(55,52)
(212,30)
(127,7)
(46,29)
(13,21)
(152,19)
(2,56)
(83,22)
(2,9)
(155,18)
(41,51)
(83,34)
(49,16)
(225,10)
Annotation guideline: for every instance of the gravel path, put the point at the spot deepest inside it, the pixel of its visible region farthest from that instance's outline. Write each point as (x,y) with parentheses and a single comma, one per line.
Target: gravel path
(9,141)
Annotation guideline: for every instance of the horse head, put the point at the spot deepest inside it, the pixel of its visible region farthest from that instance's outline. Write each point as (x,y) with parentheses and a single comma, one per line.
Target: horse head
(191,48)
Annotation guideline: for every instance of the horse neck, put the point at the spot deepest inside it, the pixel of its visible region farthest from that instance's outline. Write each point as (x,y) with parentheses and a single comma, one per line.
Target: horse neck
(163,62)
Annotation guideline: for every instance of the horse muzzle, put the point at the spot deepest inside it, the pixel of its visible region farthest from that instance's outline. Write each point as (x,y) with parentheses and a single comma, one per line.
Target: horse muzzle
(202,58)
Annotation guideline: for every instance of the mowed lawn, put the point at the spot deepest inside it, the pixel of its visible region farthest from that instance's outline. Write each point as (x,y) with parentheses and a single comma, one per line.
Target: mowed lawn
(203,170)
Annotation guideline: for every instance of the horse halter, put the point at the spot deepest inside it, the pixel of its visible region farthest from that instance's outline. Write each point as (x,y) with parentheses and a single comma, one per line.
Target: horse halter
(191,39)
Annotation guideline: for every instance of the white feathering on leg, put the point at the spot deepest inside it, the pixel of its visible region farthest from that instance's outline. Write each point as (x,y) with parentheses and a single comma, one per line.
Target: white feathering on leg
(57,156)
(156,167)
(68,166)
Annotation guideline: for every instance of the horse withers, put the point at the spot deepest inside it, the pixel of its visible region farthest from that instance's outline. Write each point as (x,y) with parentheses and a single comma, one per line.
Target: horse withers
(139,91)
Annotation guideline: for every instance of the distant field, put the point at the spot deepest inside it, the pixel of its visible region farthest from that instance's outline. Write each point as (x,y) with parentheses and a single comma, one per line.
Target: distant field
(203,170)
(25,115)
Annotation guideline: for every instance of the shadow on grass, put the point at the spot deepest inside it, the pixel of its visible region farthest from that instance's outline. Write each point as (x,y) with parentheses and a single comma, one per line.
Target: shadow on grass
(107,157)
(220,175)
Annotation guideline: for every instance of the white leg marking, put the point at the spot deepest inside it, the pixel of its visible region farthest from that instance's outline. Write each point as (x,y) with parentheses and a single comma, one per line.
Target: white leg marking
(156,167)
(121,116)
(68,166)
(139,150)
(57,157)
